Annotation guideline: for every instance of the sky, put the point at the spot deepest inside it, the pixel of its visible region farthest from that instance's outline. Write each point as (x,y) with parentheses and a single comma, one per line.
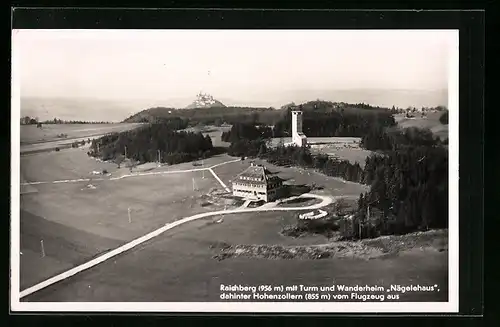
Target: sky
(240,67)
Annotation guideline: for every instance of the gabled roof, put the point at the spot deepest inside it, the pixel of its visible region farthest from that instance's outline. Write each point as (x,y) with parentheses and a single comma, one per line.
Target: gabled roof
(257,174)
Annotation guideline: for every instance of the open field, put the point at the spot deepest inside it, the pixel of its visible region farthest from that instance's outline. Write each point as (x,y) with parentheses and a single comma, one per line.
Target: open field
(74,163)
(179,266)
(31,134)
(214,132)
(35,148)
(71,163)
(344,148)
(101,212)
(64,246)
(50,137)
(431,122)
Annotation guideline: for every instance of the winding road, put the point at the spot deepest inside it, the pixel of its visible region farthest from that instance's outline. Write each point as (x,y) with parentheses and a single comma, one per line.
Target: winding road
(325,200)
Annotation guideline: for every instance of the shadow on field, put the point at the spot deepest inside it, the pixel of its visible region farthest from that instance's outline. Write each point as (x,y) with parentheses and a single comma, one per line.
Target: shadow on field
(295,190)
(63,248)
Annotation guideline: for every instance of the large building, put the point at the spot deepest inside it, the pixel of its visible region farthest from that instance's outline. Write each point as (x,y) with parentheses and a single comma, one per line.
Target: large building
(257,183)
(298,137)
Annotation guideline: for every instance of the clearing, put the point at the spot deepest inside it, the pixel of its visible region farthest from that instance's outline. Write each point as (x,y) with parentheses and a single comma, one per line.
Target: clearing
(431,122)
(343,148)
(51,132)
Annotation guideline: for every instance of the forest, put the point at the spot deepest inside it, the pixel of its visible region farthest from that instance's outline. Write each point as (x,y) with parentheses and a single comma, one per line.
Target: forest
(409,192)
(383,139)
(147,143)
(335,123)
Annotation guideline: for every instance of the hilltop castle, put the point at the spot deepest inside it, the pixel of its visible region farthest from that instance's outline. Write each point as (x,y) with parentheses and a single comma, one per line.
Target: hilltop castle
(204,100)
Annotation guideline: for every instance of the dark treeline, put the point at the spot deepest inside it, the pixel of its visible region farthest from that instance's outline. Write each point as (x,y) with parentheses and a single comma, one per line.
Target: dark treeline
(335,123)
(60,121)
(247,148)
(443,119)
(35,121)
(302,157)
(314,124)
(27,120)
(328,106)
(412,111)
(143,144)
(247,131)
(394,138)
(175,123)
(363,105)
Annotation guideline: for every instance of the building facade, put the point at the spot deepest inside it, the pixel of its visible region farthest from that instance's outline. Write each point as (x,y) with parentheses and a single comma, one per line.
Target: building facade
(257,183)
(298,137)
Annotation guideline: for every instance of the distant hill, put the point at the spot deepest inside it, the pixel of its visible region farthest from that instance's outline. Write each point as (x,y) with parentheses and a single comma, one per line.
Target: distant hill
(377,97)
(205,101)
(208,115)
(328,106)
(221,114)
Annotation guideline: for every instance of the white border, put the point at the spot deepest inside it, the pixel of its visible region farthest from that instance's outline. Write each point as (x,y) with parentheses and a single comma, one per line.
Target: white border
(453,167)
(15,114)
(410,307)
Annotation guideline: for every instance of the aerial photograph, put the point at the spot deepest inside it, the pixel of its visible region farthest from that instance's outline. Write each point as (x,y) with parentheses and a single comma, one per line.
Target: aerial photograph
(232,166)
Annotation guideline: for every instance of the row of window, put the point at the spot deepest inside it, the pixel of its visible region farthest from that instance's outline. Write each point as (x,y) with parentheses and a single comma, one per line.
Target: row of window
(257,179)
(250,185)
(270,186)
(246,191)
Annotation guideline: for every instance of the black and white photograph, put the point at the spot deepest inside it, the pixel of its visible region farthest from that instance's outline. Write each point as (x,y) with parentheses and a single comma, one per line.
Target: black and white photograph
(234,170)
